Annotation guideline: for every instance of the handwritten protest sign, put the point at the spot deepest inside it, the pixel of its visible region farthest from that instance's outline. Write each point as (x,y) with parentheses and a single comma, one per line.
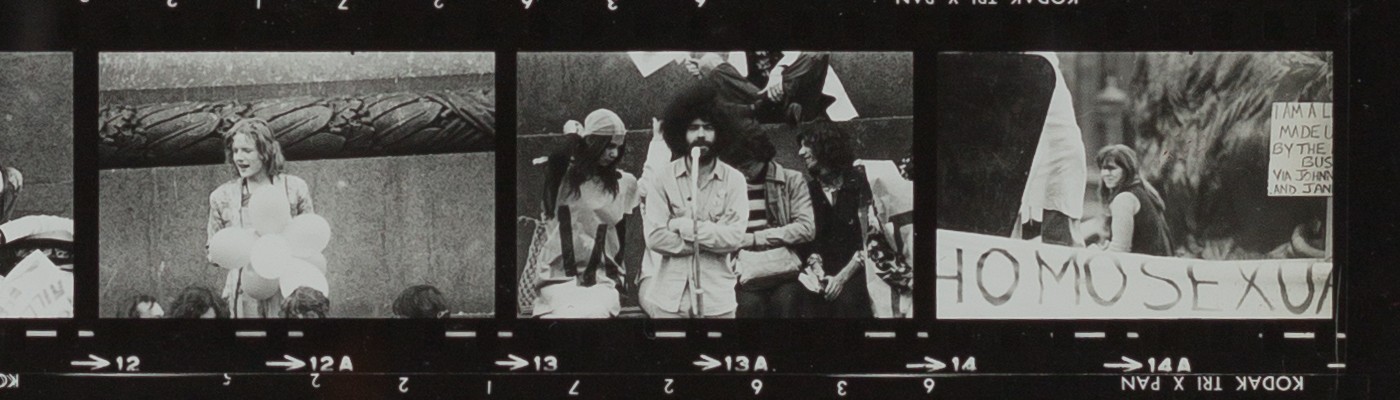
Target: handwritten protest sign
(990,277)
(1300,149)
(36,288)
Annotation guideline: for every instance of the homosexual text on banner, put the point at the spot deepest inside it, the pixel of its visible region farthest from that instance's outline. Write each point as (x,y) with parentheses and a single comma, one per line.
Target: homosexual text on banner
(989,277)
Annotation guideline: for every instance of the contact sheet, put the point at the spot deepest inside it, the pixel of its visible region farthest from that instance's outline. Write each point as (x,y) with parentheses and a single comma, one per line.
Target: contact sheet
(697,199)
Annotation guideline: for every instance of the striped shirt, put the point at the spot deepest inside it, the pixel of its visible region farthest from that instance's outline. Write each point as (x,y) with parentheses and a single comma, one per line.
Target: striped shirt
(758,208)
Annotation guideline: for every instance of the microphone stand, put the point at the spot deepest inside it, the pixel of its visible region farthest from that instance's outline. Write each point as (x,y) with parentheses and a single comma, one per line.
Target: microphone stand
(698,311)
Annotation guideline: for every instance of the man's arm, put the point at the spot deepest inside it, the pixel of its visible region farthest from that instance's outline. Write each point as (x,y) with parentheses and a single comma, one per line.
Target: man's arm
(801,226)
(657,213)
(1123,207)
(658,157)
(727,234)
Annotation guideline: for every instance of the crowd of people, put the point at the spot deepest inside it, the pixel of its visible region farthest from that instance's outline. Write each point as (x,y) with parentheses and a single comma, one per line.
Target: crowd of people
(420,301)
(728,231)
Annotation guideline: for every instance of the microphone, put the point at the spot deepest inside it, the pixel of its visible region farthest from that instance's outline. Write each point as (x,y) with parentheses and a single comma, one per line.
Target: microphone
(697,151)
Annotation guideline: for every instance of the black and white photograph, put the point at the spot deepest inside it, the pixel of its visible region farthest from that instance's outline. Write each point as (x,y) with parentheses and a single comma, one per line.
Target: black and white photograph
(803,207)
(36,185)
(1183,185)
(297,185)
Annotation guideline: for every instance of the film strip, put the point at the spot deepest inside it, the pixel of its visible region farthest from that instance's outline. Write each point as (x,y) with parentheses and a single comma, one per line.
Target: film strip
(889,60)
(531,360)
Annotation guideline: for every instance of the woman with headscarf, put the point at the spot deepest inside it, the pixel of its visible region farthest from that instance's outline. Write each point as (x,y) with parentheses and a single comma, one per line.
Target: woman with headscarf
(1135,209)
(258,163)
(586,197)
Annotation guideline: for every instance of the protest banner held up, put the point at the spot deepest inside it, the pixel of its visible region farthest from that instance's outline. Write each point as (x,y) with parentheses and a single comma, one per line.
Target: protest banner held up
(989,277)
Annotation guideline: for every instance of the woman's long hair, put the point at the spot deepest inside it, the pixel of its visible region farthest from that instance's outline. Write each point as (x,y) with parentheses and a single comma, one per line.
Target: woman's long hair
(1127,160)
(269,151)
(575,164)
(194,301)
(830,145)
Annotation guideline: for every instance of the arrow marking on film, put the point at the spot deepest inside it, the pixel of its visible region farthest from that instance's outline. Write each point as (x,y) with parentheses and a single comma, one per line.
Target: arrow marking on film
(929,363)
(291,364)
(1128,365)
(514,362)
(93,361)
(706,363)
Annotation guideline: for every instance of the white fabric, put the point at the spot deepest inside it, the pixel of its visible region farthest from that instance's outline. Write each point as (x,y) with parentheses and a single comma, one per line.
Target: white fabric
(46,226)
(1058,172)
(648,62)
(658,159)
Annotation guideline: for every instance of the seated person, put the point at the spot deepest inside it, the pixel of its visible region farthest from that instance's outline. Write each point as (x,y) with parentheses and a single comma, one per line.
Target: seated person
(781,86)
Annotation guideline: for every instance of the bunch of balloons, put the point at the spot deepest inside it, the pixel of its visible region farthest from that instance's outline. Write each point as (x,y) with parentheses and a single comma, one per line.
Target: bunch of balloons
(279,252)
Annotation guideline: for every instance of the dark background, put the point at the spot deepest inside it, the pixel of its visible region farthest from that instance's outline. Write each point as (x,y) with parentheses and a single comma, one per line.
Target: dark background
(1361,32)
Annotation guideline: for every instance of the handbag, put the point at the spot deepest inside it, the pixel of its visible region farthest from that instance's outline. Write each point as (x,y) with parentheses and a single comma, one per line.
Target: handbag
(760,270)
(530,273)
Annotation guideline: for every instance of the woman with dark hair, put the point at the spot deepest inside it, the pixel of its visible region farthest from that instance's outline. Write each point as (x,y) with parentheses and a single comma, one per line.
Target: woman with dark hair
(586,197)
(1135,209)
(421,301)
(198,302)
(145,306)
(839,190)
(257,162)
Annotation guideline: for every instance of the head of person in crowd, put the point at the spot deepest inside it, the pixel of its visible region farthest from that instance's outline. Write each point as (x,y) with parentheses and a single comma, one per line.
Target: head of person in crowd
(306,303)
(693,119)
(1119,171)
(145,306)
(251,149)
(421,301)
(824,148)
(198,302)
(751,155)
(592,153)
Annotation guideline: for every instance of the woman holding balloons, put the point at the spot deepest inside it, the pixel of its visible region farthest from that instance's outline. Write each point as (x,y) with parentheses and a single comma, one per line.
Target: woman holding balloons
(260,202)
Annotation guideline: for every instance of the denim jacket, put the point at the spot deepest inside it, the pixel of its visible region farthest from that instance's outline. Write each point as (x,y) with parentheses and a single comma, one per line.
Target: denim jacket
(789,209)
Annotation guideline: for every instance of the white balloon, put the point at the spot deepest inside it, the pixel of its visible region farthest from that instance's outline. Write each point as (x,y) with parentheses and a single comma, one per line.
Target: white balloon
(308,232)
(270,210)
(316,259)
(256,286)
(230,248)
(270,256)
(300,273)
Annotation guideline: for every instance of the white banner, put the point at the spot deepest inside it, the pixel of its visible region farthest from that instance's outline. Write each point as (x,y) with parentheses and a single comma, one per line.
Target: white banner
(990,277)
(36,288)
